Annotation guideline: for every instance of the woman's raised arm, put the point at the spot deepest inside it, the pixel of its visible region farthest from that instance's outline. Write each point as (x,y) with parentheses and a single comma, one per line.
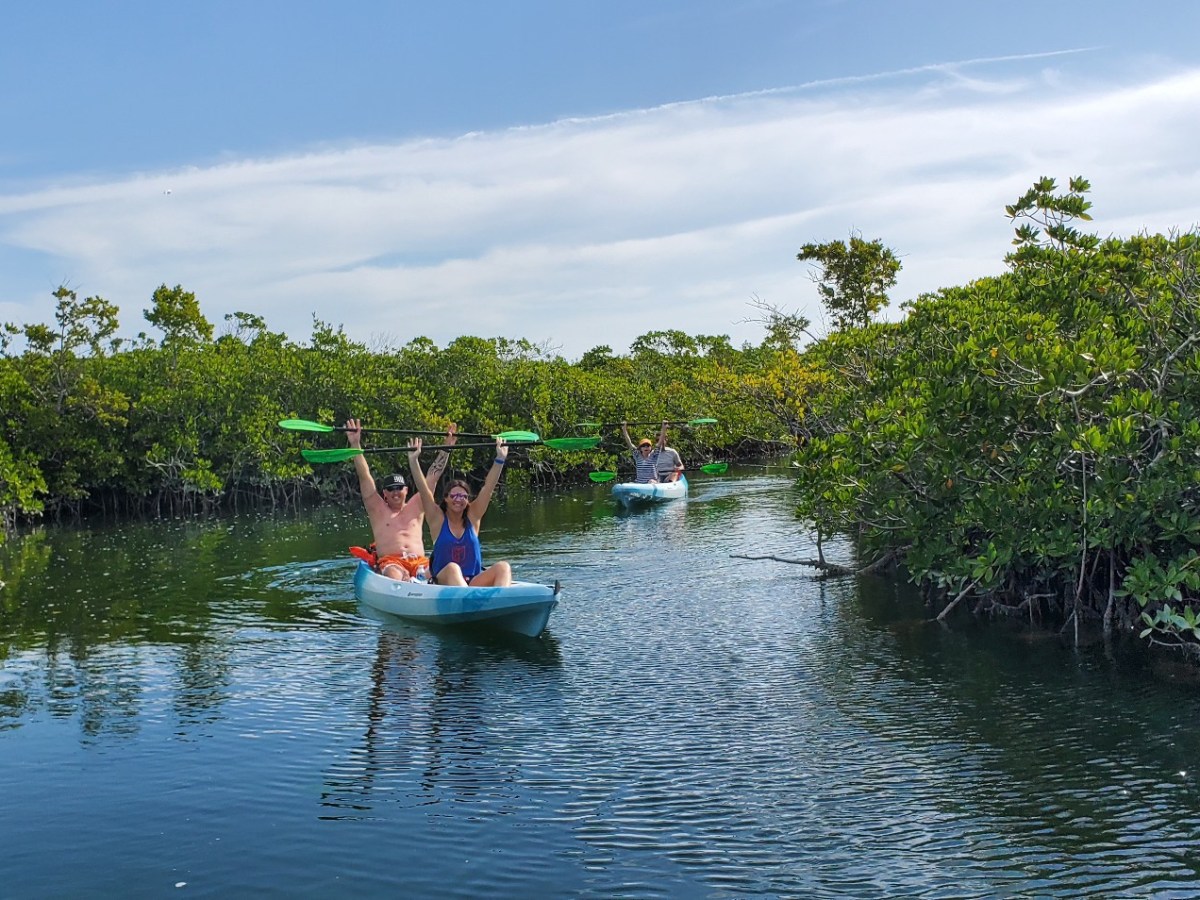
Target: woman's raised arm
(433,512)
(480,504)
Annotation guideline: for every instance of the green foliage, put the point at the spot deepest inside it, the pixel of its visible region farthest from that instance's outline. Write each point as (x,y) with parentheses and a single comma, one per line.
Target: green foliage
(1052,213)
(596,358)
(176,313)
(188,424)
(78,324)
(854,279)
(1034,436)
(21,483)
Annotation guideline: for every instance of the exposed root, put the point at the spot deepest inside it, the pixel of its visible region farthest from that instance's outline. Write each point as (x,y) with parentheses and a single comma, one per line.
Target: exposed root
(823,565)
(827,567)
(941,617)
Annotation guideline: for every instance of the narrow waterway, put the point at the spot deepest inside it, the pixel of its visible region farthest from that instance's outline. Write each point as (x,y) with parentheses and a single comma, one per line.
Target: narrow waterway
(203,708)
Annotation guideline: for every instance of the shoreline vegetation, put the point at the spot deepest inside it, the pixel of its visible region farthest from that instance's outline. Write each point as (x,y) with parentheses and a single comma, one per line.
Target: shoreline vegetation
(1026,445)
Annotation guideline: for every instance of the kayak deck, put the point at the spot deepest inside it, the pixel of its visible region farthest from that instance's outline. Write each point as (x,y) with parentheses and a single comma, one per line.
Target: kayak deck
(523,607)
(631,492)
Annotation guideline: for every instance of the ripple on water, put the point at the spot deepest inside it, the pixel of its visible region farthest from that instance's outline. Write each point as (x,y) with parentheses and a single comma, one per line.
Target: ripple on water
(692,724)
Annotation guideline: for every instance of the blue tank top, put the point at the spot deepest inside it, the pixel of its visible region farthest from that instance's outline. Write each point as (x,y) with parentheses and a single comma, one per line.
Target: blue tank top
(464,550)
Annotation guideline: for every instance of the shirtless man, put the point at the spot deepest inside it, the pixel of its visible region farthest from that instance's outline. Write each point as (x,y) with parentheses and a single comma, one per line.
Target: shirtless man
(395,518)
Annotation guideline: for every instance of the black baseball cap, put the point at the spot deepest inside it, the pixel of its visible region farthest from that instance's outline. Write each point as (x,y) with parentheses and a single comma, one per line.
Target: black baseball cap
(392,483)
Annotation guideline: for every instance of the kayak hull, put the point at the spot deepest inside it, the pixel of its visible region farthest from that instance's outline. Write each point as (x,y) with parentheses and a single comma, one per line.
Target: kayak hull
(523,607)
(630,492)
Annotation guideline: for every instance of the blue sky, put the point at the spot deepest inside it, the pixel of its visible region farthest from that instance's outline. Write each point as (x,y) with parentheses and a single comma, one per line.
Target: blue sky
(567,172)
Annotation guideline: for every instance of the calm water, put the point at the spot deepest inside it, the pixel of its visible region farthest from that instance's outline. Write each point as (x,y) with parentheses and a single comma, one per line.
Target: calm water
(204,710)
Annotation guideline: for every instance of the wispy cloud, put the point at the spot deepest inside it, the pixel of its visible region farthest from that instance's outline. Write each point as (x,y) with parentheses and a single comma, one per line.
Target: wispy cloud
(592,231)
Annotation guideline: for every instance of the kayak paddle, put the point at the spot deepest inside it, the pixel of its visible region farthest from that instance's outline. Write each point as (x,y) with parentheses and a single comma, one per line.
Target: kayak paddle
(717,468)
(305,425)
(340,454)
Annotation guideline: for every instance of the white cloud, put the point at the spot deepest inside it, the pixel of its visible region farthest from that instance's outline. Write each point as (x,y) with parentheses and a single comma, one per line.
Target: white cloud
(594,231)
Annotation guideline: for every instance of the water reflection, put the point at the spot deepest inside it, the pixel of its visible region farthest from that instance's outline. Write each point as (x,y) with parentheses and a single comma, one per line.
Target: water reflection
(691,725)
(205,675)
(102,625)
(1029,746)
(440,716)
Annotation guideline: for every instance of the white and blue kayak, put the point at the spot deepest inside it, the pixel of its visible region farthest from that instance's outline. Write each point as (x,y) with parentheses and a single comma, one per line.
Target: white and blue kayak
(630,492)
(522,607)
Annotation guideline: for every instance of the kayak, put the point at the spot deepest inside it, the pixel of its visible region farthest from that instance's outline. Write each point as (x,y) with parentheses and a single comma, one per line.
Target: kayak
(630,492)
(522,607)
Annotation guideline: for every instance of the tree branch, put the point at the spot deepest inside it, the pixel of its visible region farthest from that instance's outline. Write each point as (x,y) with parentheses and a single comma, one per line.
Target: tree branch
(828,568)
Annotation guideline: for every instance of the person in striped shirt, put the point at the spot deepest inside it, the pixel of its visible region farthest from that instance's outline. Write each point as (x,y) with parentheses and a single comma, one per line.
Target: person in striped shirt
(645,454)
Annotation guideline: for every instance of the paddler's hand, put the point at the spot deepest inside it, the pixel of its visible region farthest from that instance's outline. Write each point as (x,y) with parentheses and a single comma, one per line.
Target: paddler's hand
(414,447)
(354,433)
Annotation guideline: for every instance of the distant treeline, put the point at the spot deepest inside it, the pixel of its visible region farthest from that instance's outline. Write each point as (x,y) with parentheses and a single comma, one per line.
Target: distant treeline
(187,422)
(1027,444)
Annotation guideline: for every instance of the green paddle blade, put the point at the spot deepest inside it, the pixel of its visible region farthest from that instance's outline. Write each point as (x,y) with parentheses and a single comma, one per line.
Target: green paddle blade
(572,443)
(518,437)
(695,422)
(341,454)
(305,425)
(601,477)
(717,468)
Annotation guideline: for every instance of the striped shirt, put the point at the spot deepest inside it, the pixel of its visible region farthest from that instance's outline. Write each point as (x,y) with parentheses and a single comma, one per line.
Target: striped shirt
(647,466)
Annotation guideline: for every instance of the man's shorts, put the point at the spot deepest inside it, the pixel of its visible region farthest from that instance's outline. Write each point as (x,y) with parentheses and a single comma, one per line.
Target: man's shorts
(409,564)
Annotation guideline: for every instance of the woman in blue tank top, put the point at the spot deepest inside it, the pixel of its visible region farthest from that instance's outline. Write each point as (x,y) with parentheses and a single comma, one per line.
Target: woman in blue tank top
(454,525)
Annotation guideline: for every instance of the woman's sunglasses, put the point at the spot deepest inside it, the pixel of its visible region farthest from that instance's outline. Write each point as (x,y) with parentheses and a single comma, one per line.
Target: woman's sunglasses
(456,496)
